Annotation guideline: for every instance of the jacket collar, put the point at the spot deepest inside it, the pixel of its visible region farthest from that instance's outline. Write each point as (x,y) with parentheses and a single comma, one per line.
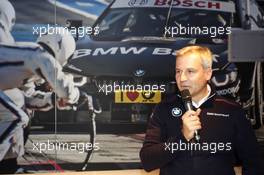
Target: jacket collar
(208,99)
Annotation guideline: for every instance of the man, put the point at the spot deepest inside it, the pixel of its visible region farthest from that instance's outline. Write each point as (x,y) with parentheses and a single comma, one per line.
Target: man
(222,125)
(28,63)
(13,145)
(25,63)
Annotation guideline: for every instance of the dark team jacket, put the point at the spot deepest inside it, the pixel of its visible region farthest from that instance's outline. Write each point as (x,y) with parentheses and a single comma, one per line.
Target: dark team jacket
(225,134)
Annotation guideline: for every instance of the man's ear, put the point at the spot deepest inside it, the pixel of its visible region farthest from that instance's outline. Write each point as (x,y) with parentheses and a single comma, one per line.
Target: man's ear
(208,73)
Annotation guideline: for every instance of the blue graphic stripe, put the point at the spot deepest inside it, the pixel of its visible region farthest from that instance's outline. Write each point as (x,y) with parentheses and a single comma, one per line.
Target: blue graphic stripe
(89,6)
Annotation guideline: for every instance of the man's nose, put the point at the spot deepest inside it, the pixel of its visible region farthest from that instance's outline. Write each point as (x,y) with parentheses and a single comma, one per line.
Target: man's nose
(183,77)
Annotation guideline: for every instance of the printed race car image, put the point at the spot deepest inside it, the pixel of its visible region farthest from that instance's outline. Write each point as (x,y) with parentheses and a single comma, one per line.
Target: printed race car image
(135,50)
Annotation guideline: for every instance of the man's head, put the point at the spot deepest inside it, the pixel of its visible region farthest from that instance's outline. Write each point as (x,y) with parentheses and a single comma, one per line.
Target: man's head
(7,14)
(194,70)
(61,44)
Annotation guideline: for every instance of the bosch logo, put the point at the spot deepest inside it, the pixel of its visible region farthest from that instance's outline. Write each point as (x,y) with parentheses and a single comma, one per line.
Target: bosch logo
(190,3)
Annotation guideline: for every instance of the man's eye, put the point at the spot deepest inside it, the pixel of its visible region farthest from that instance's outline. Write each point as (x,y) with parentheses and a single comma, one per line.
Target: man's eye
(190,71)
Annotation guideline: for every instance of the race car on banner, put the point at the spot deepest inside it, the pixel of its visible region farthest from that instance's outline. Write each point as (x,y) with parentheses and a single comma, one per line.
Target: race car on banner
(130,65)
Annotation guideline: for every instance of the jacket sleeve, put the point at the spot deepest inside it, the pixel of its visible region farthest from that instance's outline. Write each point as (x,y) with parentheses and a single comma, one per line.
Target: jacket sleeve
(246,146)
(156,151)
(50,70)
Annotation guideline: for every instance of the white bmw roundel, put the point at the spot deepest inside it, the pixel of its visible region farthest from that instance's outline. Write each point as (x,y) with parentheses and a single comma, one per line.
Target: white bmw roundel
(176,112)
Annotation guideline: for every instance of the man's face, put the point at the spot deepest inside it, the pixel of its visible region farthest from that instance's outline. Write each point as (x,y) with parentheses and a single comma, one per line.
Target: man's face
(191,75)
